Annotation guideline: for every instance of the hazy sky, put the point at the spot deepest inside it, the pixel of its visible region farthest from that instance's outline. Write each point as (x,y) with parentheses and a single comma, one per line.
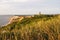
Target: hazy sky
(29,6)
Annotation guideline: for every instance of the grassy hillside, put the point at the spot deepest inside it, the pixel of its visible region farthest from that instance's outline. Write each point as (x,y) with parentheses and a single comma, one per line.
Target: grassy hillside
(39,27)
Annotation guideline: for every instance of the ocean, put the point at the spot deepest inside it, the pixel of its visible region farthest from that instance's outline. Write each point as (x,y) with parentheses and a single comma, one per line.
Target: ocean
(4,19)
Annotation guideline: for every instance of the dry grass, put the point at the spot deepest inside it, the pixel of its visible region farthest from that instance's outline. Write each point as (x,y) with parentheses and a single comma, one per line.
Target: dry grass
(44,29)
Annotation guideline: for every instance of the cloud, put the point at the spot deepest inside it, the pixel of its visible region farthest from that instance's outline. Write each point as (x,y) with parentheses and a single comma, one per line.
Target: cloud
(49,10)
(22,1)
(11,7)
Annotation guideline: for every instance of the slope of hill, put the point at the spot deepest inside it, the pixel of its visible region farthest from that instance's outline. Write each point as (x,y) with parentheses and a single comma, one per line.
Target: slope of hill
(38,27)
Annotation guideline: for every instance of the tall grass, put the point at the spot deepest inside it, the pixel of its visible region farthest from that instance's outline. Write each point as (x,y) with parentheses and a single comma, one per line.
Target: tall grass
(37,28)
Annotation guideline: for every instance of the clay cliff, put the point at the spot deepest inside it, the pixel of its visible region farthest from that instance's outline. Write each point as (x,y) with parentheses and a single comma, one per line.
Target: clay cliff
(14,18)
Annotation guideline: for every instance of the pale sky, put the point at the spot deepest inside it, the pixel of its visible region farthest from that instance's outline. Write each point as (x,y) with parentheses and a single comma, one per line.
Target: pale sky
(22,7)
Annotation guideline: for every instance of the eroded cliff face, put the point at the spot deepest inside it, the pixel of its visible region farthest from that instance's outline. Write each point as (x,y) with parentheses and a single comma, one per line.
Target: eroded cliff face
(15,18)
(18,18)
